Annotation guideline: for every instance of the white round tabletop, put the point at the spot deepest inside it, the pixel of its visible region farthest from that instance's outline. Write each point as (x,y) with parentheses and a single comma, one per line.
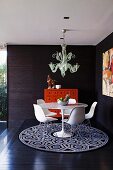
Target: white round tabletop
(55,105)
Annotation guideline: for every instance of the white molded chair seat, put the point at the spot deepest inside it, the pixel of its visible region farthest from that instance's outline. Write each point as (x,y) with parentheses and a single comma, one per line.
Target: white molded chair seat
(72,101)
(40,115)
(46,111)
(89,115)
(77,116)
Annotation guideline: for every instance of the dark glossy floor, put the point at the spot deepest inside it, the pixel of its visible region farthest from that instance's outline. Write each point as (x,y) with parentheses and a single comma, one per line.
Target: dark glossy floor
(17,156)
(3,126)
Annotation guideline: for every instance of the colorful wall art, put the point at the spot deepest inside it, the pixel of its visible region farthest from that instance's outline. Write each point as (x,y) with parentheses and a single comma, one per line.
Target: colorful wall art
(107,73)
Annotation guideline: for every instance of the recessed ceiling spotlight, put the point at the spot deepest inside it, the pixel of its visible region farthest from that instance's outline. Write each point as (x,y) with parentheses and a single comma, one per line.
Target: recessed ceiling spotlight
(66,17)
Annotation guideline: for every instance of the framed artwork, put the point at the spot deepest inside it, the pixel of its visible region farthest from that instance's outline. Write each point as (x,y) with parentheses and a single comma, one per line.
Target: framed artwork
(107,73)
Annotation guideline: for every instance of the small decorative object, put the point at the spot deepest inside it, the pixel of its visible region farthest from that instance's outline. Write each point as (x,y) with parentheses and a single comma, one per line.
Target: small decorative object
(63,101)
(51,82)
(64,60)
(58,86)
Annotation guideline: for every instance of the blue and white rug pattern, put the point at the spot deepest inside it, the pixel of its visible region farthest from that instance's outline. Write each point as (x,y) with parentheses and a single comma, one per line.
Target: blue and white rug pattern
(83,138)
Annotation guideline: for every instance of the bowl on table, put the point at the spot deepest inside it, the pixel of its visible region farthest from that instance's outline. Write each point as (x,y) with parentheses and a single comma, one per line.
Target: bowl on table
(62,103)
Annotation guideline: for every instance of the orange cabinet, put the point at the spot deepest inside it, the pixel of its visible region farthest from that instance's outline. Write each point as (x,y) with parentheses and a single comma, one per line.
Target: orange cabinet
(51,95)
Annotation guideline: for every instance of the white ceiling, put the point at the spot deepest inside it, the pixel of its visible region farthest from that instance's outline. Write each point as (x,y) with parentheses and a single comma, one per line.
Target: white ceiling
(41,21)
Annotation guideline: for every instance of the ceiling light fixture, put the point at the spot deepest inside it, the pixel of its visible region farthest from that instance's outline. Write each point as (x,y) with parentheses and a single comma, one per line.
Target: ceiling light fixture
(63,59)
(66,17)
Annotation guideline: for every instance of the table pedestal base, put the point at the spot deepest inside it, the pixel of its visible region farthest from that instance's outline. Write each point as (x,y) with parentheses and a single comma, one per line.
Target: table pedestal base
(62,134)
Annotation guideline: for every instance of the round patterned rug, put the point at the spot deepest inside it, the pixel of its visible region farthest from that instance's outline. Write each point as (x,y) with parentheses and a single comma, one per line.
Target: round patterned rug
(83,138)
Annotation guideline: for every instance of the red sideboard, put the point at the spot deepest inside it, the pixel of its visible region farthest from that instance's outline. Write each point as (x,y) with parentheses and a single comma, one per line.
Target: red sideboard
(51,95)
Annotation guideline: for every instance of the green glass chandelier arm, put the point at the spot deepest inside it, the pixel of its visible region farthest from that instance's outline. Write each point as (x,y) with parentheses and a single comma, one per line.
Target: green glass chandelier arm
(62,69)
(74,68)
(70,56)
(53,67)
(59,56)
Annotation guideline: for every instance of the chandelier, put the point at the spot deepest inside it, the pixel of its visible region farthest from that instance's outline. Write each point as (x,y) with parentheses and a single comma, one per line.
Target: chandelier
(63,65)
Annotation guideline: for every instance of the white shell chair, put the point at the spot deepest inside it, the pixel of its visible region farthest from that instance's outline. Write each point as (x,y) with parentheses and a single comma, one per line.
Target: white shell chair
(46,111)
(72,101)
(90,114)
(40,116)
(77,116)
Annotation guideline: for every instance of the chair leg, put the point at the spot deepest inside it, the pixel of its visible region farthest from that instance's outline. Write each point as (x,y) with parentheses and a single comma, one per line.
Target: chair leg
(89,122)
(43,128)
(89,128)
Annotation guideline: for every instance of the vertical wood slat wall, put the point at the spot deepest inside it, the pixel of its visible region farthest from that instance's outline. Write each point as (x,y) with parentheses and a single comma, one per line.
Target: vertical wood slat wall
(27,77)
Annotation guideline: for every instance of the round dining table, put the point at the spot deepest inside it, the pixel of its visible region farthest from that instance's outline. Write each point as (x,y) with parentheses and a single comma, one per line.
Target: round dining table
(55,105)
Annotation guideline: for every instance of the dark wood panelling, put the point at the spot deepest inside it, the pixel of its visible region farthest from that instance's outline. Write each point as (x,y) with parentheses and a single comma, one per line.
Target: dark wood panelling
(105,103)
(20,84)
(27,75)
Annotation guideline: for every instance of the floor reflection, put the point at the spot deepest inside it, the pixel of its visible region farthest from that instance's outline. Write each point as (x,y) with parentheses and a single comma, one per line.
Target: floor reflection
(3,126)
